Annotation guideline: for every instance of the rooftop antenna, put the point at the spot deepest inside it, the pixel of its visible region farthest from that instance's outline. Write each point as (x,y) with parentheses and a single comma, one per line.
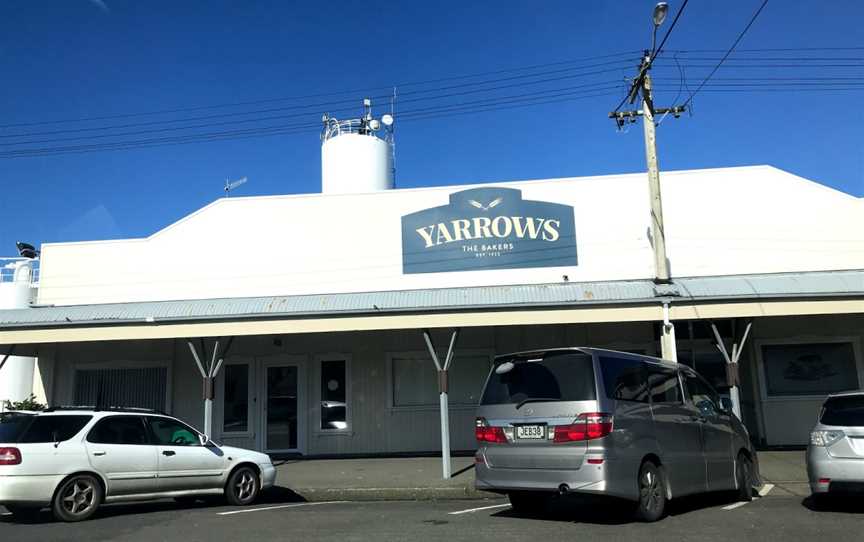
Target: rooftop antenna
(231,185)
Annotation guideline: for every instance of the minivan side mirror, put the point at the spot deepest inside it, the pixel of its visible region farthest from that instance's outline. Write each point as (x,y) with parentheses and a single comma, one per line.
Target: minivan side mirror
(203,439)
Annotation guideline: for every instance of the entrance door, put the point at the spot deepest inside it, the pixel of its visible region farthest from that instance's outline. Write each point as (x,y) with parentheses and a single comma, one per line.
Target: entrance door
(283,407)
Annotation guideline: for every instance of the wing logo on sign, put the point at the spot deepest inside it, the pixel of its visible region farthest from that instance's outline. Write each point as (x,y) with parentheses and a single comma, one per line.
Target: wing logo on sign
(508,232)
(482,207)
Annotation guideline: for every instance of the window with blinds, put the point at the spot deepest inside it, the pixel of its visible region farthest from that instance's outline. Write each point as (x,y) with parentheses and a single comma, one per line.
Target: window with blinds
(144,387)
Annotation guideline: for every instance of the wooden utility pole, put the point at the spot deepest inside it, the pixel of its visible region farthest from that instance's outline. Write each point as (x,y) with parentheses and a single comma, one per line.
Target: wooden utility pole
(642,85)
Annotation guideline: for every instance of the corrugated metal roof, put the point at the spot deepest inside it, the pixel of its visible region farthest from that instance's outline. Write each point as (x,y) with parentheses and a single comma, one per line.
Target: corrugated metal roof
(732,288)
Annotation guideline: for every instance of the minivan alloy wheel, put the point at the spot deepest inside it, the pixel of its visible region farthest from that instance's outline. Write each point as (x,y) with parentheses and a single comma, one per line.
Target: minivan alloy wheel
(652,493)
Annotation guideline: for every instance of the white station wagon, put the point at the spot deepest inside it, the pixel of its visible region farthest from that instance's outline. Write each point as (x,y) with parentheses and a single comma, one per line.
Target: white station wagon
(73,460)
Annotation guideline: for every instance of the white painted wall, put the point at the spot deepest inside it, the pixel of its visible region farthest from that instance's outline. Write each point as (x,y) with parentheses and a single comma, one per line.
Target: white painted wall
(719,222)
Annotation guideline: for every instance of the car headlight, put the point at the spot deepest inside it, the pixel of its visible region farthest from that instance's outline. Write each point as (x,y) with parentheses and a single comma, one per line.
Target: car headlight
(825,438)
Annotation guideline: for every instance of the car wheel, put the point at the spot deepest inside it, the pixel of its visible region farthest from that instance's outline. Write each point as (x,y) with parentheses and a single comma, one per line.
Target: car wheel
(744,478)
(78,498)
(242,487)
(530,502)
(652,493)
(24,513)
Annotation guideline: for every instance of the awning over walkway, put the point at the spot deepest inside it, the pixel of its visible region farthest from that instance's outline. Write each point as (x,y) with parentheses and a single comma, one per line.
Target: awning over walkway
(622,301)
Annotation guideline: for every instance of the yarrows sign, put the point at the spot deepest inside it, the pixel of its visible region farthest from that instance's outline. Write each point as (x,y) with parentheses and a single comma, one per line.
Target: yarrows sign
(488,228)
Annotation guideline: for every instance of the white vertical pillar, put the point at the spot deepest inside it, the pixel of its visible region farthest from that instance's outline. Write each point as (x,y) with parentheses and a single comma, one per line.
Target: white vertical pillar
(16,379)
(445,436)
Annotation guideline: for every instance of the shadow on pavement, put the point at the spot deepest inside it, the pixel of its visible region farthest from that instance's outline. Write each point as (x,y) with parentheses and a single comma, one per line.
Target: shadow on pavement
(612,511)
(844,504)
(275,495)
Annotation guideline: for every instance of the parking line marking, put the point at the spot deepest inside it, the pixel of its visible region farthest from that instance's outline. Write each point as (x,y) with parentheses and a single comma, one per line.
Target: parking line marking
(766,489)
(734,506)
(470,510)
(264,509)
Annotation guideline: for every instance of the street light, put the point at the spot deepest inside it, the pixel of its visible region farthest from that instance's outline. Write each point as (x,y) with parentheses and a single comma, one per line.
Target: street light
(660,11)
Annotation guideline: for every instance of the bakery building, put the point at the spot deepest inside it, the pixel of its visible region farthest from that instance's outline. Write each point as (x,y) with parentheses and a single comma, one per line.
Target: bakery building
(298,324)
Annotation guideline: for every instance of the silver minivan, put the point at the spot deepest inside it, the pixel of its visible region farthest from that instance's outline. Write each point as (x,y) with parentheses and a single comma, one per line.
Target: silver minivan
(592,421)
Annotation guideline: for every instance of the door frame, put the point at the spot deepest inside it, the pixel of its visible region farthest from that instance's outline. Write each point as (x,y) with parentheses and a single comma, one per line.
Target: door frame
(281,360)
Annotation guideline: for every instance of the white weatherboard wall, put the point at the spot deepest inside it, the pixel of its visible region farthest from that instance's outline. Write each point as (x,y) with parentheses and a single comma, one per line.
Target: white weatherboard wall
(719,222)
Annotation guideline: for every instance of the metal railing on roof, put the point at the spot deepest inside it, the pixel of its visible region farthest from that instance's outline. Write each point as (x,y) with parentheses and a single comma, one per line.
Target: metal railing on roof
(9,269)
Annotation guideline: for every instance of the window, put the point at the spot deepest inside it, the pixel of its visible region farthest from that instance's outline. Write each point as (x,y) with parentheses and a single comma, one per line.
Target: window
(557,376)
(701,395)
(235,418)
(664,386)
(845,411)
(415,380)
(334,406)
(144,387)
(624,379)
(13,425)
(119,430)
(168,432)
(709,363)
(809,369)
(53,429)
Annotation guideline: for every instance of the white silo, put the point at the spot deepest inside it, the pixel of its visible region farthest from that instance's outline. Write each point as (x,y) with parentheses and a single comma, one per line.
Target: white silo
(357,154)
(16,292)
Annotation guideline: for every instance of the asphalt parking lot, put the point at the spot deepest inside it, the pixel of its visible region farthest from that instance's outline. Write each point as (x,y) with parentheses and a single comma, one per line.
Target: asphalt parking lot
(709,518)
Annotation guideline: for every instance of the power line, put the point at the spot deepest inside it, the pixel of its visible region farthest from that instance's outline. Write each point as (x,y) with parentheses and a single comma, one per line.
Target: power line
(282,129)
(321,95)
(732,48)
(319,106)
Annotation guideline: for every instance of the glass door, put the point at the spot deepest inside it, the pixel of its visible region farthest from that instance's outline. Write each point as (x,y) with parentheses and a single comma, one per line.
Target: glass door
(282,402)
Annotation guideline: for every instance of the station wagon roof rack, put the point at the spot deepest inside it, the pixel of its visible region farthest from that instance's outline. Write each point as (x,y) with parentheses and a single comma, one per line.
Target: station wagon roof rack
(137,410)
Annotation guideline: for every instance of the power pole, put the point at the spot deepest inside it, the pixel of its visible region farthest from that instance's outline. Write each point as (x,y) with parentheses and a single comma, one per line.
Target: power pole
(642,85)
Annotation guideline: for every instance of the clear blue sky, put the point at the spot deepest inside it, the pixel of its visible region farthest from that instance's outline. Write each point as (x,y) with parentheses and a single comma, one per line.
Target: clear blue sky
(77,59)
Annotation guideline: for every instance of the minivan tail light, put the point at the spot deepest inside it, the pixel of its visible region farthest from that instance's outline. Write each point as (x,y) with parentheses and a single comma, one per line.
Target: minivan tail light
(10,456)
(588,426)
(486,433)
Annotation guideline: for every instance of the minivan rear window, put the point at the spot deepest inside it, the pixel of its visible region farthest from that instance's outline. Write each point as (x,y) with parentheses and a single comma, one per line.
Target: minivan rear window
(555,376)
(53,428)
(846,411)
(12,426)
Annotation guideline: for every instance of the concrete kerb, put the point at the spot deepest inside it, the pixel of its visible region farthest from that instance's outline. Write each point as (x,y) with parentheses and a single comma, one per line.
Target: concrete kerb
(394,494)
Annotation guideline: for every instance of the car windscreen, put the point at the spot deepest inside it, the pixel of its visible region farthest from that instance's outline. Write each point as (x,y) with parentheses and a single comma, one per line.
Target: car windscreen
(846,411)
(12,426)
(53,428)
(554,376)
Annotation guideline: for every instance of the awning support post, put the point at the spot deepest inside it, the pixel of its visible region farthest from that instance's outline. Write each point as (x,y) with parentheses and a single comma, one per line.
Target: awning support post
(732,365)
(443,397)
(208,376)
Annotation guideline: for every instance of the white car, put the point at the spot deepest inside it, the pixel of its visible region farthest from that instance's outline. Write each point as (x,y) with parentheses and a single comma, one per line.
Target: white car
(73,460)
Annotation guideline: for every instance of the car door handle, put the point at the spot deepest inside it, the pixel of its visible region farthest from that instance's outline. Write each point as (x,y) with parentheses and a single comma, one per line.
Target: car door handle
(99,453)
(169,453)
